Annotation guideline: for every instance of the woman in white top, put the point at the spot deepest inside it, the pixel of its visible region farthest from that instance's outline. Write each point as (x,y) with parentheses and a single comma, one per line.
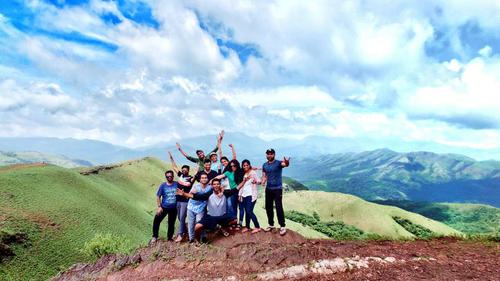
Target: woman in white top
(248,195)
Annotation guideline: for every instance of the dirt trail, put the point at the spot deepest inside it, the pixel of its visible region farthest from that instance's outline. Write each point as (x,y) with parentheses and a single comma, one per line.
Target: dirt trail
(268,256)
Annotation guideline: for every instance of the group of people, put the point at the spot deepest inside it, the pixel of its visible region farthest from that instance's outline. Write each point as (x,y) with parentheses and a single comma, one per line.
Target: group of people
(219,188)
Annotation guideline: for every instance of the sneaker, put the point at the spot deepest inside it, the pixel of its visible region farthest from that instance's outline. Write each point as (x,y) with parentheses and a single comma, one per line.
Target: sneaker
(204,240)
(152,241)
(282,231)
(269,228)
(191,241)
(178,239)
(256,230)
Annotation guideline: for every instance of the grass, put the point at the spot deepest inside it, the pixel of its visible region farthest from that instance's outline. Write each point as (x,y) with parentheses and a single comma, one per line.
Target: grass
(468,218)
(60,210)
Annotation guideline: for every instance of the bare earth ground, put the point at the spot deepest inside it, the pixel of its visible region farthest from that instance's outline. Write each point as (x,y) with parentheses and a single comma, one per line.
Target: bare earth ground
(268,256)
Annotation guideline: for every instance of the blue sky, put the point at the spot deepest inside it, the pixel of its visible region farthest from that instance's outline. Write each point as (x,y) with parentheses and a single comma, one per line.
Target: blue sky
(141,72)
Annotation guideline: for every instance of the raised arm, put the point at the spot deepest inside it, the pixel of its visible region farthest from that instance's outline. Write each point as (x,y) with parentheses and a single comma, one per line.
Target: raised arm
(190,158)
(184,183)
(233,151)
(219,146)
(174,165)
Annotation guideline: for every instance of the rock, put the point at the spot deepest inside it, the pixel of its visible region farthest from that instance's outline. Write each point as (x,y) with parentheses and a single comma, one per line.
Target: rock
(390,259)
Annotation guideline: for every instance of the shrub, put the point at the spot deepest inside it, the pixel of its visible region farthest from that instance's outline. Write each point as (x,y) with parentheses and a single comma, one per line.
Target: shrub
(104,244)
(419,231)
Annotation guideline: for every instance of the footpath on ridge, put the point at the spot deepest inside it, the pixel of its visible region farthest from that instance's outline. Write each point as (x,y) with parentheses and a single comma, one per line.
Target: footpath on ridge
(268,256)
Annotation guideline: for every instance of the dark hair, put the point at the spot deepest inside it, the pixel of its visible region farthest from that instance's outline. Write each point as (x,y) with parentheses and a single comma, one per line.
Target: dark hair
(199,150)
(185,166)
(202,173)
(217,180)
(238,174)
(169,172)
(227,168)
(207,161)
(246,161)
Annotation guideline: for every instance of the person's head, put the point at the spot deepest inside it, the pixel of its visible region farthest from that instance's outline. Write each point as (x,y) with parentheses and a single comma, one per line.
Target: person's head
(206,164)
(270,154)
(234,166)
(169,175)
(224,161)
(246,165)
(185,170)
(213,157)
(200,154)
(203,178)
(216,185)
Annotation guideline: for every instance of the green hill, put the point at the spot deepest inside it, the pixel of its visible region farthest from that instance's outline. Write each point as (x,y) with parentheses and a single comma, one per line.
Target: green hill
(468,218)
(57,210)
(417,176)
(9,158)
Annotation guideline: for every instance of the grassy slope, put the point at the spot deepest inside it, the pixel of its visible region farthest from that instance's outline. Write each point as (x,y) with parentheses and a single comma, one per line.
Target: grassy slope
(61,210)
(117,201)
(469,218)
(9,158)
(360,213)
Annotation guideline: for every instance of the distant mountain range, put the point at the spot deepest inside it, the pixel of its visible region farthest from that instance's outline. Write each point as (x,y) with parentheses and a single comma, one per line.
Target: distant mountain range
(419,176)
(9,158)
(248,147)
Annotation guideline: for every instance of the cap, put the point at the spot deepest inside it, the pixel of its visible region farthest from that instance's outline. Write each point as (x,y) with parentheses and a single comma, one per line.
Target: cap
(270,151)
(213,153)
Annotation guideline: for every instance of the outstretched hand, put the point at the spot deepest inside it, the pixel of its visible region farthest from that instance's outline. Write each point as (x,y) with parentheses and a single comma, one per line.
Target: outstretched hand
(170,155)
(178,145)
(286,161)
(179,192)
(231,145)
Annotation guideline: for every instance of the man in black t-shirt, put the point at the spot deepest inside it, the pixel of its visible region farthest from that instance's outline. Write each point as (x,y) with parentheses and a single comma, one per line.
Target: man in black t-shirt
(207,170)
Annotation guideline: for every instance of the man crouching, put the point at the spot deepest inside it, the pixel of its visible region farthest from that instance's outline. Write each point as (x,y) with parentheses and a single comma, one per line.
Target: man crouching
(216,208)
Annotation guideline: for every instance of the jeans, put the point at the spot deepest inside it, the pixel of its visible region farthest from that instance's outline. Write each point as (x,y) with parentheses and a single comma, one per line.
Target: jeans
(249,205)
(172,213)
(232,205)
(181,215)
(193,218)
(242,211)
(275,196)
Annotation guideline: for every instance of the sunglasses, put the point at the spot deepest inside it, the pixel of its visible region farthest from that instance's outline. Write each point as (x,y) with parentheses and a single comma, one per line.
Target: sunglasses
(234,166)
(169,176)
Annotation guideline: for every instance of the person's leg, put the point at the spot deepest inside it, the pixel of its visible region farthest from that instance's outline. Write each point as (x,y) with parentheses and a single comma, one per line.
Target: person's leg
(198,229)
(242,211)
(156,222)
(234,204)
(247,202)
(191,217)
(252,214)
(229,207)
(279,207)
(181,214)
(172,215)
(269,207)
(199,216)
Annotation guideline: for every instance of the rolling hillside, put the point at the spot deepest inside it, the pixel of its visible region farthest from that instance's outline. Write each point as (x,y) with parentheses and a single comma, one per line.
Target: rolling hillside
(9,158)
(57,210)
(468,218)
(418,176)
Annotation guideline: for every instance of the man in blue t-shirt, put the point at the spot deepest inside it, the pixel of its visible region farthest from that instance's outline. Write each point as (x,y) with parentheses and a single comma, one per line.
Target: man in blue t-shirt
(272,179)
(167,206)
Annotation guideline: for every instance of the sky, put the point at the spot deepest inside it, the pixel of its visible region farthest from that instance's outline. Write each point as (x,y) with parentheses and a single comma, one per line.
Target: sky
(141,72)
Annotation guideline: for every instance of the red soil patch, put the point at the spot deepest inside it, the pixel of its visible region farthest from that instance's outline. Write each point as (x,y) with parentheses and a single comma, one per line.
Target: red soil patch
(243,256)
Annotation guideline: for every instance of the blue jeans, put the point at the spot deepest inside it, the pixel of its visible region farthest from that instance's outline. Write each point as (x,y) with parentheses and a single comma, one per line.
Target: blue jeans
(231,206)
(181,215)
(193,218)
(249,205)
(242,212)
